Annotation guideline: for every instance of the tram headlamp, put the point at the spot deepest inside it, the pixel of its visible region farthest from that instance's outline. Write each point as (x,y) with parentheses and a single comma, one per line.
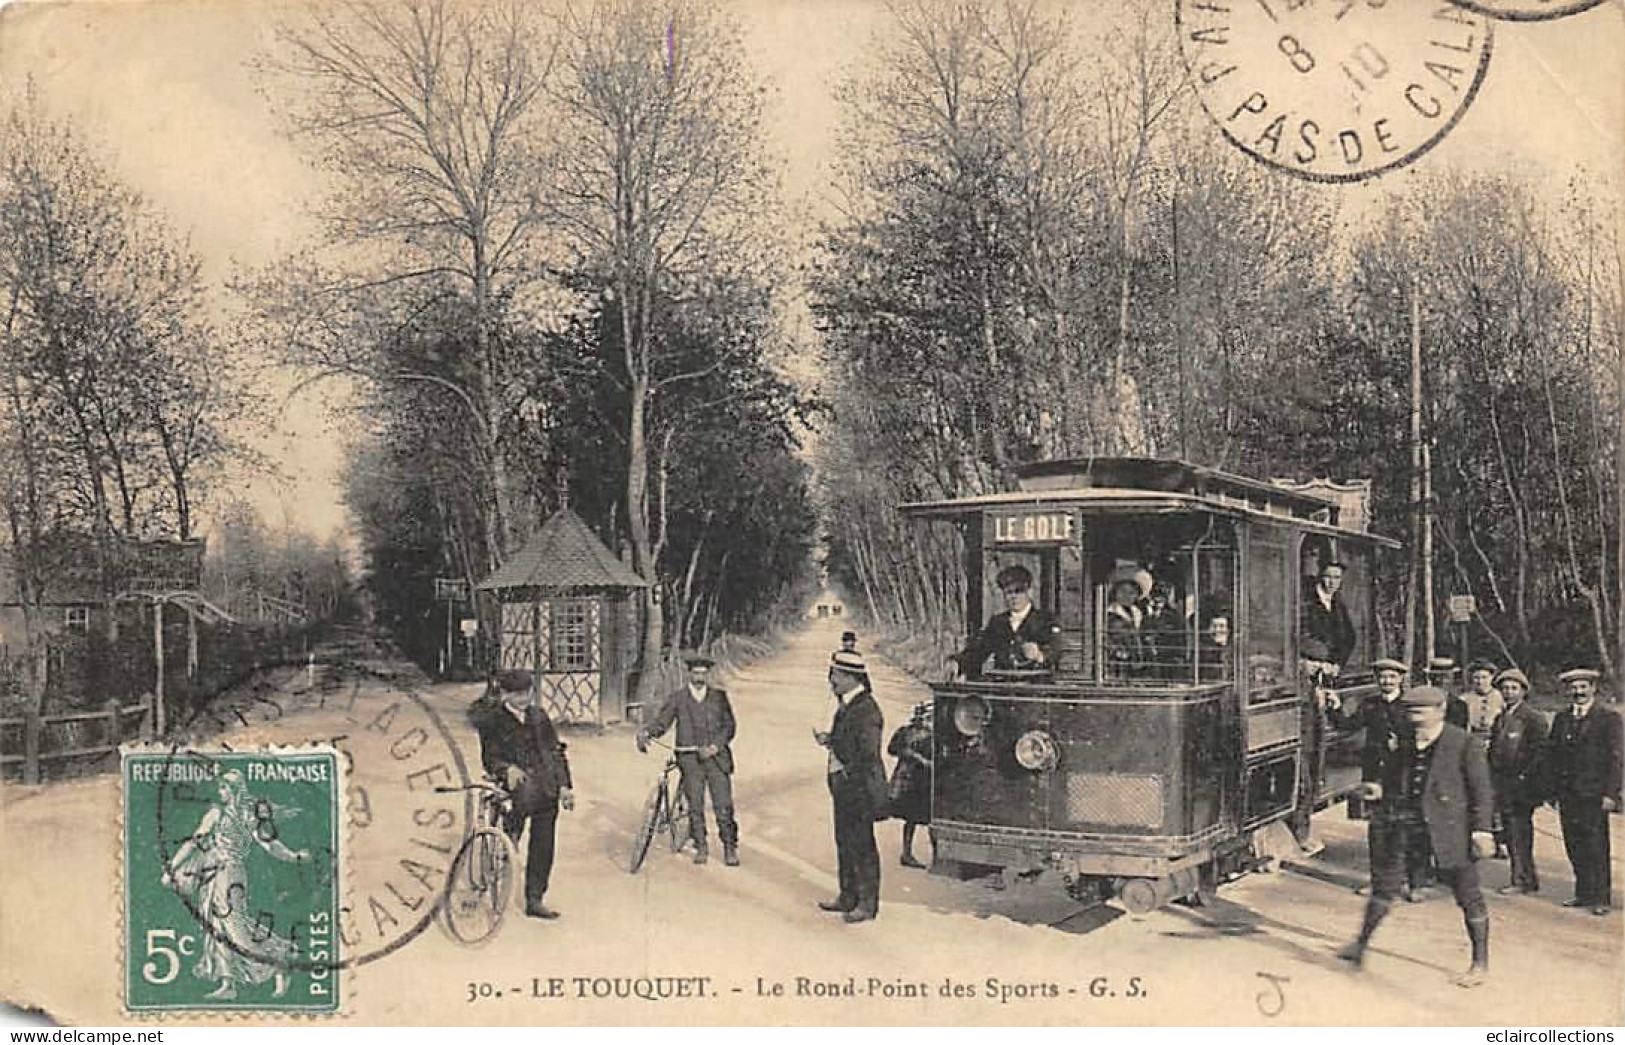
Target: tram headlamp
(970,716)
(1035,750)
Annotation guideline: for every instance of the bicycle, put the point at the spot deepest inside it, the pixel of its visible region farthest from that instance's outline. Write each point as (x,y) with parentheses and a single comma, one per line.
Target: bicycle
(480,882)
(666,809)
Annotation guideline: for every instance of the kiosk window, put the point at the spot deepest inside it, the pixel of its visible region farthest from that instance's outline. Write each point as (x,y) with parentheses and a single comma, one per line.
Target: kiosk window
(1266,653)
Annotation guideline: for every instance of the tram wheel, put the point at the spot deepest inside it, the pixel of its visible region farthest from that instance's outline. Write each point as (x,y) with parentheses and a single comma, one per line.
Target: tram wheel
(1139,895)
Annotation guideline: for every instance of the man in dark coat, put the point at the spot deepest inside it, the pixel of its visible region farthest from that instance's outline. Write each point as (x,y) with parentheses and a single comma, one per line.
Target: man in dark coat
(1023,636)
(1437,783)
(1326,631)
(1517,741)
(857,786)
(1386,725)
(1583,770)
(520,748)
(705,731)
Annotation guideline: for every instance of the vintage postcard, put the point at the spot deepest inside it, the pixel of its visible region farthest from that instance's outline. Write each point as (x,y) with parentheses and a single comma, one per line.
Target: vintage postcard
(812,512)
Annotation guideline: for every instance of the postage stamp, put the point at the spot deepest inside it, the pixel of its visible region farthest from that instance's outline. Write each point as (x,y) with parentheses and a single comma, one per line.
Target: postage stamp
(1334,92)
(233,878)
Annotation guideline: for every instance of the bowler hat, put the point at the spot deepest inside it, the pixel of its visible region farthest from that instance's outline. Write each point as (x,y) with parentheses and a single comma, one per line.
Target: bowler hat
(849,636)
(697,661)
(1441,665)
(1580,675)
(1513,675)
(1390,664)
(1424,696)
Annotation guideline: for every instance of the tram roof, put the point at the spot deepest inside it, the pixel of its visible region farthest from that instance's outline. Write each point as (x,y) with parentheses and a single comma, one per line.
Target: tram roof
(1153,485)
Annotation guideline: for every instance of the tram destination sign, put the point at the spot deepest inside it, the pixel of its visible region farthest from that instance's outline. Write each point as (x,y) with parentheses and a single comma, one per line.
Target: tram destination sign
(1051,527)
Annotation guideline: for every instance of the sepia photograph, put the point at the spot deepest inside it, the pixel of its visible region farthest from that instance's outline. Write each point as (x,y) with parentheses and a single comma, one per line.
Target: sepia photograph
(812,513)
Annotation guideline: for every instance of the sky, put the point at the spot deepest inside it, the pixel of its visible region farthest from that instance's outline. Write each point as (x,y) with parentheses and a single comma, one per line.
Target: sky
(165,87)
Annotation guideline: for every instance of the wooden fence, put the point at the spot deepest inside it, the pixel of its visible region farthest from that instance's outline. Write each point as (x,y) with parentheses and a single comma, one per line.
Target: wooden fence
(34,740)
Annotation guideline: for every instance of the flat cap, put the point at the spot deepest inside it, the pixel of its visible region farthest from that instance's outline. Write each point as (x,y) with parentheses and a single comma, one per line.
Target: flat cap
(697,661)
(1483,665)
(1580,675)
(1513,675)
(1390,664)
(1424,696)
(848,660)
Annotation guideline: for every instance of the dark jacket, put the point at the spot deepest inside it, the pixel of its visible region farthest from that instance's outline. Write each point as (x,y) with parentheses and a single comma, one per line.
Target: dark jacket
(999,641)
(1517,743)
(1323,634)
(1385,728)
(854,740)
(1583,757)
(1456,711)
(1457,799)
(534,746)
(699,723)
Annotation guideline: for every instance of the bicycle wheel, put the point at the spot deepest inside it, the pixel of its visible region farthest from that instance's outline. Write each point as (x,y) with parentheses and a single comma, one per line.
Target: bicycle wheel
(677,822)
(653,807)
(479,886)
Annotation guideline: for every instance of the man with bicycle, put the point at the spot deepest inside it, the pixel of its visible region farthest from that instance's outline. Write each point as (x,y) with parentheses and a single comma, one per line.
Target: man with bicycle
(705,729)
(520,748)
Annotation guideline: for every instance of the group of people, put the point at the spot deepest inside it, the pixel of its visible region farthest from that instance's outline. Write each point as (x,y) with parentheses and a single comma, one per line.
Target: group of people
(1448,778)
(520,748)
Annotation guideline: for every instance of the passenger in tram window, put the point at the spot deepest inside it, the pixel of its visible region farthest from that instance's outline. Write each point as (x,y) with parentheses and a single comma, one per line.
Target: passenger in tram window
(1326,630)
(1127,651)
(1164,629)
(1023,636)
(1213,644)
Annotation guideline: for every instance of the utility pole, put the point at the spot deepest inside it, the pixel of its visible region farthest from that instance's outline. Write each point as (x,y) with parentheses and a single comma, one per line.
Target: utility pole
(1416,478)
(1425,453)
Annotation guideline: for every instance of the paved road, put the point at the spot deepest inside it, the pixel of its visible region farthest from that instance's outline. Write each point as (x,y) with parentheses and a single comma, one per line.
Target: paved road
(941,952)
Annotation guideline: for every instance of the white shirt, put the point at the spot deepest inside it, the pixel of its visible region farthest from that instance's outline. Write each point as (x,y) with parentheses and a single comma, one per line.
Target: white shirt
(1016,618)
(698,692)
(516,712)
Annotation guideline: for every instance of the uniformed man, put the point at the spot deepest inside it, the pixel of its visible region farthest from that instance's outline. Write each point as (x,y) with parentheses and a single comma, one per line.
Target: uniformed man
(857,787)
(1437,784)
(1023,636)
(849,641)
(1584,766)
(520,748)
(1385,723)
(1326,635)
(705,758)
(1517,742)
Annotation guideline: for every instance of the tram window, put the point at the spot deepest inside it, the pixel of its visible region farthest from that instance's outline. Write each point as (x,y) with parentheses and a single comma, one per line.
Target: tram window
(1162,612)
(1354,593)
(1267,579)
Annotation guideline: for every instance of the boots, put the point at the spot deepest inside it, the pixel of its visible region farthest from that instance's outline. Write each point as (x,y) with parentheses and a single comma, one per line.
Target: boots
(701,853)
(1375,911)
(1478,932)
(730,854)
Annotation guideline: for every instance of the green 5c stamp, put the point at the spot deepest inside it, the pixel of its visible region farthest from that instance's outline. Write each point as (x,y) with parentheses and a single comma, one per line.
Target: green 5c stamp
(232,880)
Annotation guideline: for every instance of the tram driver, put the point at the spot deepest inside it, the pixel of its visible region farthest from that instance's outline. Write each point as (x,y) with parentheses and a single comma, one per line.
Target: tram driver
(1022,637)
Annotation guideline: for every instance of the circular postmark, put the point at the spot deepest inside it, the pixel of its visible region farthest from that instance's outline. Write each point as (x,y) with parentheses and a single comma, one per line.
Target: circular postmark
(1527,10)
(1334,90)
(401,832)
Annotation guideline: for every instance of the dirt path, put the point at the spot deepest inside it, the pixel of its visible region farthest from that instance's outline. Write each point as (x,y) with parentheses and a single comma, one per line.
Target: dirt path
(1017,956)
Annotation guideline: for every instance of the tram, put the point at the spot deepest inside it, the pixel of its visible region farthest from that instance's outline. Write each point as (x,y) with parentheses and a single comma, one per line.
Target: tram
(1155,771)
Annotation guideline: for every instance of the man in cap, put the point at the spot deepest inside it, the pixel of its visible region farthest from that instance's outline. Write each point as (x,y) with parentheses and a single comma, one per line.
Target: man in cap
(1583,770)
(1022,636)
(520,748)
(705,731)
(1516,745)
(1385,723)
(1437,784)
(849,642)
(1484,702)
(857,787)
